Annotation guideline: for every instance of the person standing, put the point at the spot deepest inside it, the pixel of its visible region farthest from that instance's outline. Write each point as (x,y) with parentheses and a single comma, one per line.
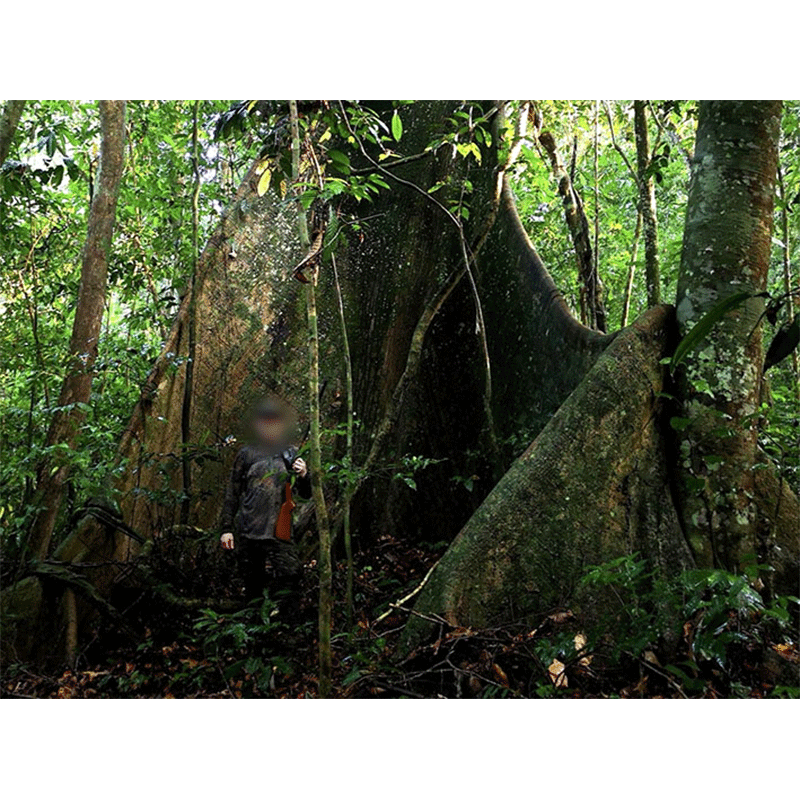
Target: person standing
(256,492)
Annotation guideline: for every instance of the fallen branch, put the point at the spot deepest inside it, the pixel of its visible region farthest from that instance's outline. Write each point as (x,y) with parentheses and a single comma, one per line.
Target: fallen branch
(399,603)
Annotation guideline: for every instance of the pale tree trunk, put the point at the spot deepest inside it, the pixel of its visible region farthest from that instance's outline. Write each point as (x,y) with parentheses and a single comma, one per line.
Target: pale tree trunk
(595,164)
(647,204)
(77,385)
(626,302)
(726,249)
(12,111)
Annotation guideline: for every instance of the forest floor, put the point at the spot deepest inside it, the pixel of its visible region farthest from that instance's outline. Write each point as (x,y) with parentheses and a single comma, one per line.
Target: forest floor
(263,651)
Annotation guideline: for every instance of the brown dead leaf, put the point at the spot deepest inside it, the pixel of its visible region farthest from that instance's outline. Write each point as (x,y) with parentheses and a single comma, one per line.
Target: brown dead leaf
(557,674)
(501,676)
(580,643)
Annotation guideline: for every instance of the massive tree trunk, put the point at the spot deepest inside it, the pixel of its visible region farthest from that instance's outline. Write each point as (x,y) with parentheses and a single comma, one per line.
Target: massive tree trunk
(251,340)
(77,386)
(602,479)
(593,486)
(595,483)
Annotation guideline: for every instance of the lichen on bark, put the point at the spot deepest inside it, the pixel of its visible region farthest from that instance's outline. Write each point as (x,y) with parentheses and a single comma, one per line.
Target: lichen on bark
(726,248)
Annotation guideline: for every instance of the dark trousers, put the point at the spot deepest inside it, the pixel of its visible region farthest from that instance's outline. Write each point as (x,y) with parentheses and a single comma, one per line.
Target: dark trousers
(269,564)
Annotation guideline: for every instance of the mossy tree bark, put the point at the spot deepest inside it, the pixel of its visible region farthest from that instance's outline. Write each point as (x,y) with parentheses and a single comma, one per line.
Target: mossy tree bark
(726,249)
(593,486)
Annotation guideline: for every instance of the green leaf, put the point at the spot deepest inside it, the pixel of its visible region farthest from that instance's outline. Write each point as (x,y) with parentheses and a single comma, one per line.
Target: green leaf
(397,127)
(340,161)
(705,324)
(680,423)
(331,233)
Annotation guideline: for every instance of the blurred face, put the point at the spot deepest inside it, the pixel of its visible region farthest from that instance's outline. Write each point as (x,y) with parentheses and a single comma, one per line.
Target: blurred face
(270,431)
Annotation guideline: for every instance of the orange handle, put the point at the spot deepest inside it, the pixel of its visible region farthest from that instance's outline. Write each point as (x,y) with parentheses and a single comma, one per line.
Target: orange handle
(283,527)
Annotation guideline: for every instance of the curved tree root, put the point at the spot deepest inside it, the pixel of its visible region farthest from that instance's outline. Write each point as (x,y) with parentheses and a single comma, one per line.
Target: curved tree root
(592,487)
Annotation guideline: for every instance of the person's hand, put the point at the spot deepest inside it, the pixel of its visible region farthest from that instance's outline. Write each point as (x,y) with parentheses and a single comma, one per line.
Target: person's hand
(227,541)
(300,467)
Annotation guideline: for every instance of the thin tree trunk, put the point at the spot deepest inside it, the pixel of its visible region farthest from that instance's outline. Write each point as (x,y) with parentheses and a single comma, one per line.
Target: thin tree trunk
(647,205)
(12,111)
(323,526)
(350,484)
(191,323)
(726,249)
(592,307)
(596,188)
(671,132)
(77,385)
(787,272)
(626,303)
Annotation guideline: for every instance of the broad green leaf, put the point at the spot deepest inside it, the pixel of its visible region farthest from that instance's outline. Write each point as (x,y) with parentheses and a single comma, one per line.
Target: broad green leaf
(340,161)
